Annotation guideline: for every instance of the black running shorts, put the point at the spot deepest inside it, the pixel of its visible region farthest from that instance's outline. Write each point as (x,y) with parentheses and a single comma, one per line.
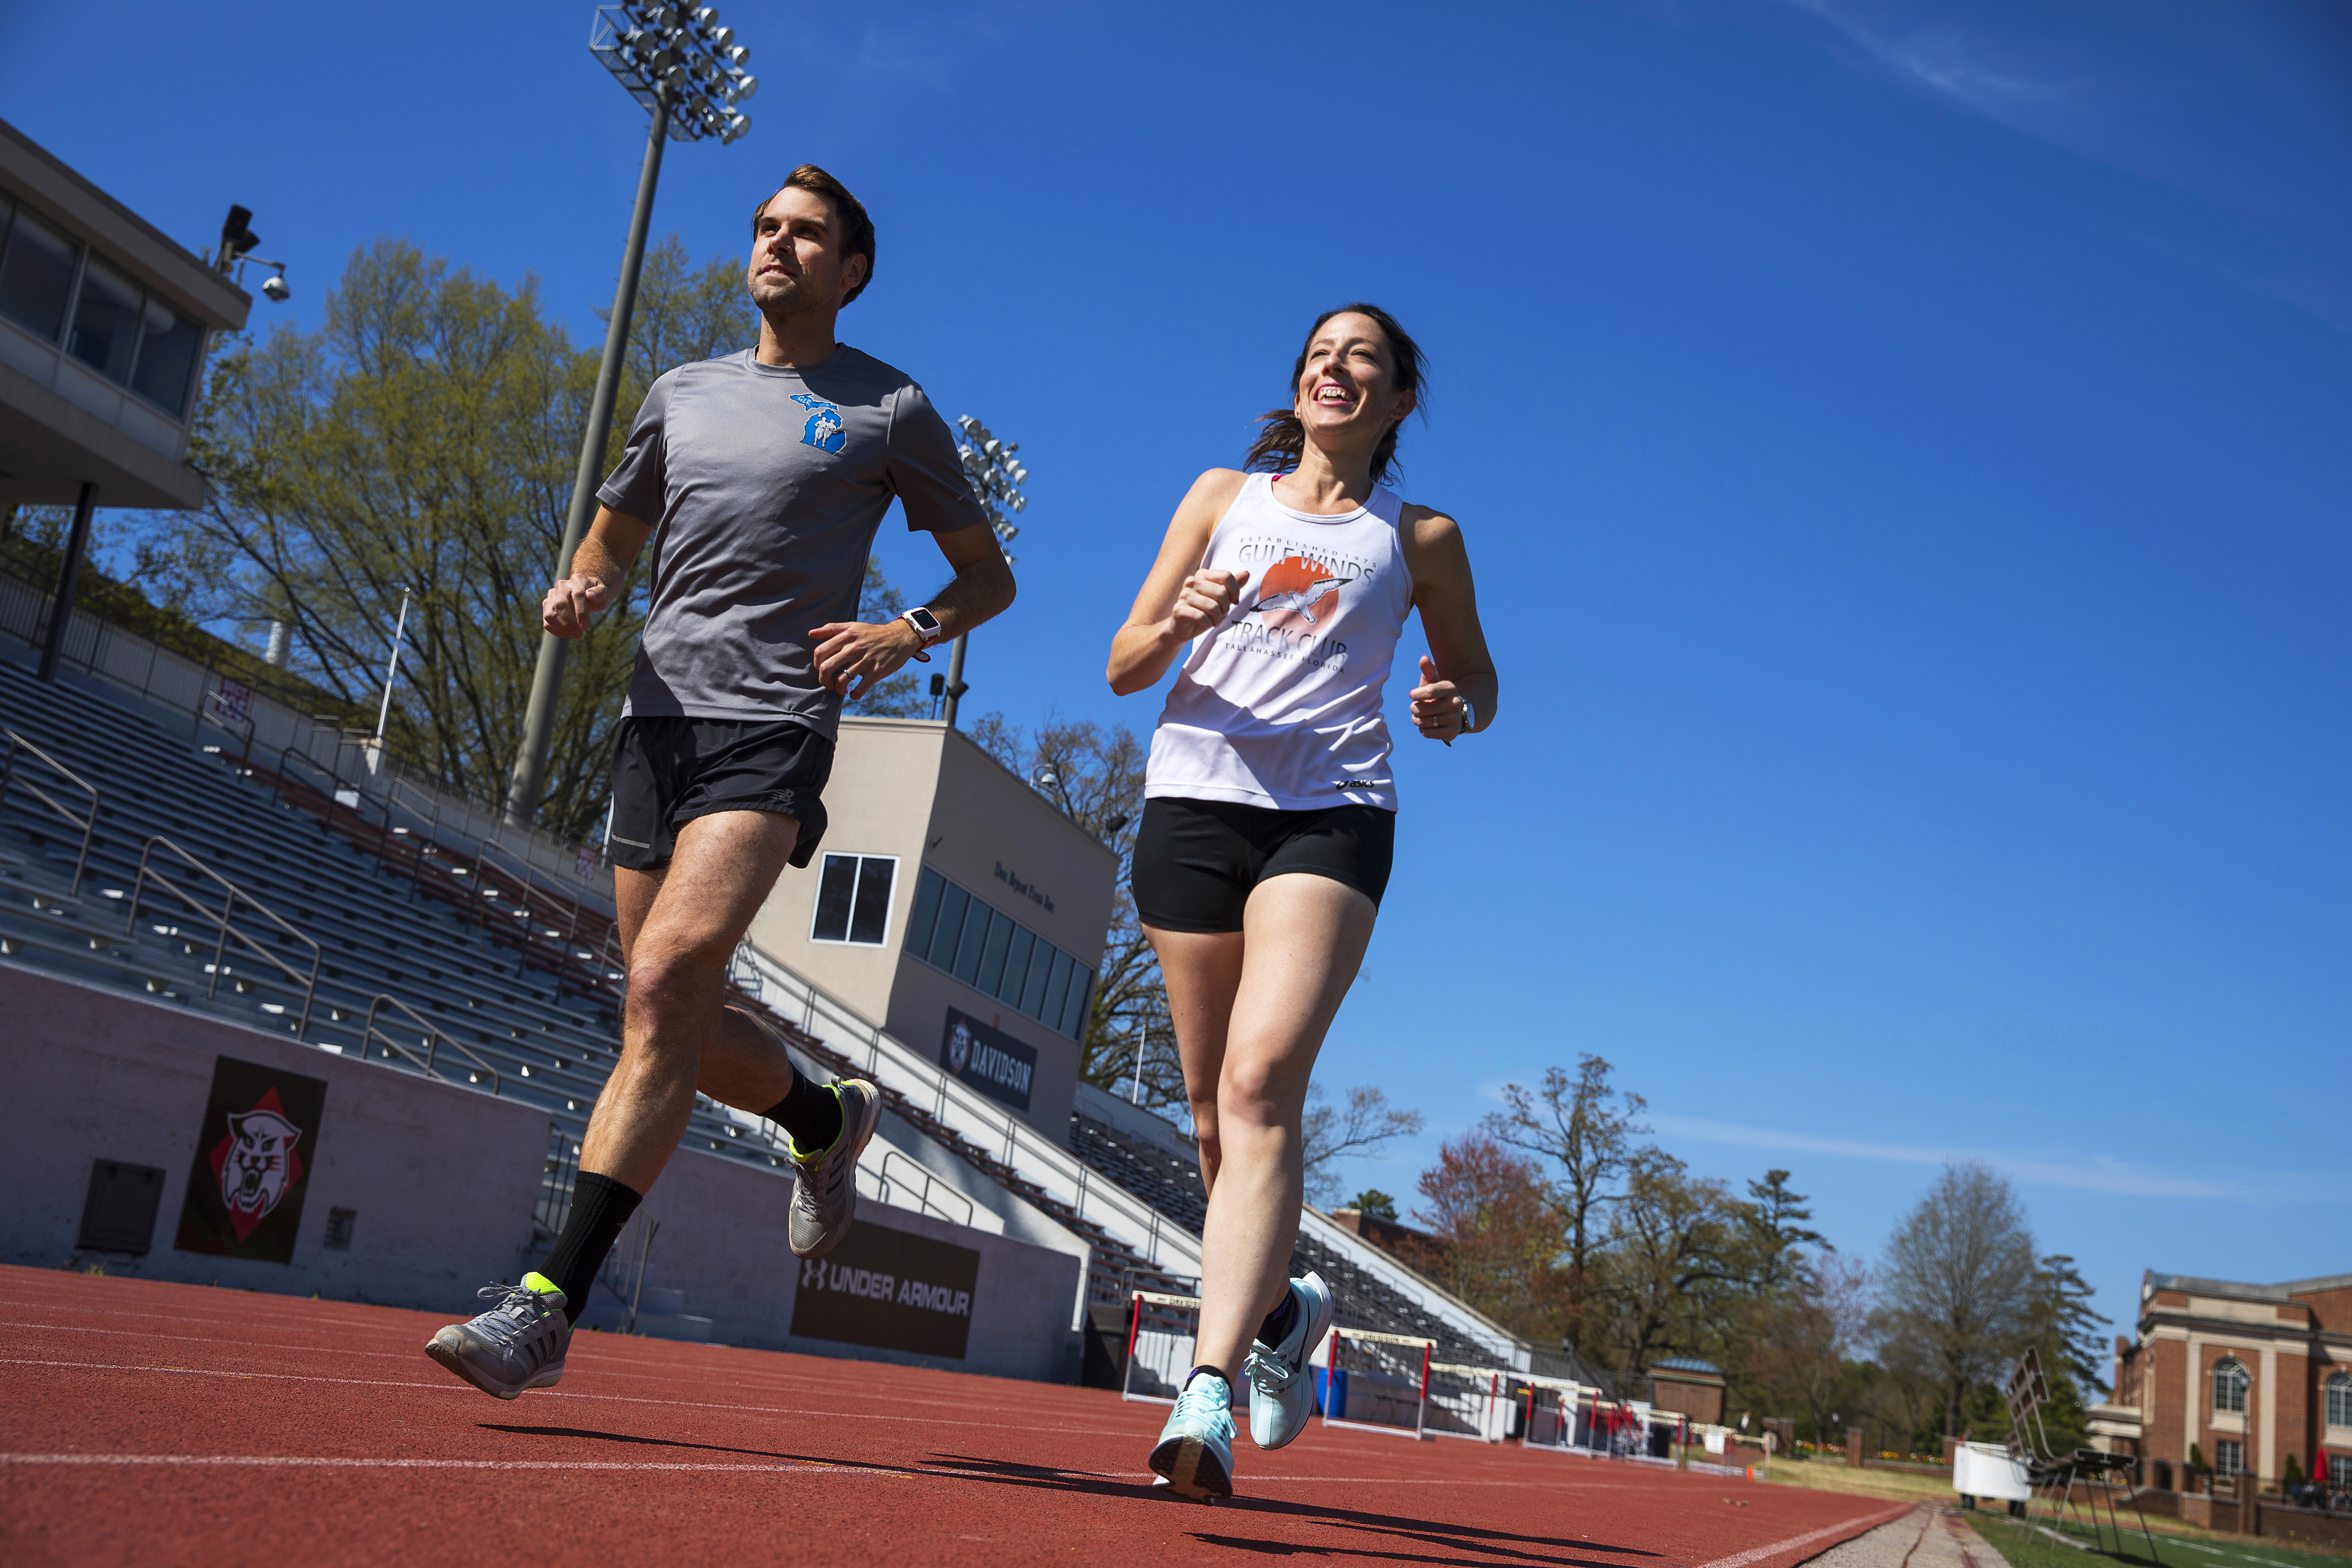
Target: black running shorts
(1196,860)
(668,771)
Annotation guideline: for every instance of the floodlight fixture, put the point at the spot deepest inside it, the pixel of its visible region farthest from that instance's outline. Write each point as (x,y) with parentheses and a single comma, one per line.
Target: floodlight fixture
(681,65)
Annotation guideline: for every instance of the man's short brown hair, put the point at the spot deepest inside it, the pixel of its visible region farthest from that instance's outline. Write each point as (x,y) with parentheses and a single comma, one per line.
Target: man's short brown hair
(856,228)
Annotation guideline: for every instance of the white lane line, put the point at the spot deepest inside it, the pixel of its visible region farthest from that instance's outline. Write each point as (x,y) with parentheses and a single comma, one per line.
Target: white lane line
(1757,1553)
(454,1386)
(605,1367)
(295,1461)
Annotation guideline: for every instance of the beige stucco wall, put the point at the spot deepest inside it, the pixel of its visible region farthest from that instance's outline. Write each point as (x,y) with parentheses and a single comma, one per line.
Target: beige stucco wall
(985,819)
(879,802)
(927,794)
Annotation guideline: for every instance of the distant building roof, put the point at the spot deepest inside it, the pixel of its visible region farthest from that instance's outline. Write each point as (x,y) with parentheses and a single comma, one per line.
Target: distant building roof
(2244,1291)
(1684,1363)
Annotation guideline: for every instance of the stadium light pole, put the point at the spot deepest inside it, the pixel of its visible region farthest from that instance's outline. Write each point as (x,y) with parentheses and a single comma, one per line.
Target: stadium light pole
(996,478)
(688,71)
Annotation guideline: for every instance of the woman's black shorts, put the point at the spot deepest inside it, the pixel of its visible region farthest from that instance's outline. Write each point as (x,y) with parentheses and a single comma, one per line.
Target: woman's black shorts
(1196,860)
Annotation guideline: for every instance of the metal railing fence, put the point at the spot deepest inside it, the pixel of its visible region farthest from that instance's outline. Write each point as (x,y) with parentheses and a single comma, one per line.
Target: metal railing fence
(231,896)
(88,824)
(434,1037)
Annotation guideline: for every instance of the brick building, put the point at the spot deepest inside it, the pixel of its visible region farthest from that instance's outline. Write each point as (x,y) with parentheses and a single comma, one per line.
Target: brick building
(2247,1373)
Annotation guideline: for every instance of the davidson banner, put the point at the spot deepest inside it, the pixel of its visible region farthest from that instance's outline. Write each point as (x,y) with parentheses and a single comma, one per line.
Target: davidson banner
(254,1154)
(992,1062)
(891,1289)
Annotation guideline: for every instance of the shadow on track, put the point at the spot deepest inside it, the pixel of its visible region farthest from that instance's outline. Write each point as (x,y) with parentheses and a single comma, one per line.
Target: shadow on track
(1492,1545)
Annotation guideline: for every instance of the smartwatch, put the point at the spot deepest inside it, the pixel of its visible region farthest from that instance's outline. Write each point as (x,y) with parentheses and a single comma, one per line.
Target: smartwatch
(926,630)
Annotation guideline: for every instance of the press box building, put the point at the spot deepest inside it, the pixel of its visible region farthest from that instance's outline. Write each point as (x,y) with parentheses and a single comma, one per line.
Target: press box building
(954,906)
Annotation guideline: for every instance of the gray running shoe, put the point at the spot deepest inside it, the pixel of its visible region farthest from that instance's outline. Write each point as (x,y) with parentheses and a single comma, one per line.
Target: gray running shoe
(1282,1389)
(825,1196)
(517,1344)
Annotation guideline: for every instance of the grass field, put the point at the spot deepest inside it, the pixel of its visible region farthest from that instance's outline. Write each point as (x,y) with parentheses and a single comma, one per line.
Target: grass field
(2179,1545)
(2025,1547)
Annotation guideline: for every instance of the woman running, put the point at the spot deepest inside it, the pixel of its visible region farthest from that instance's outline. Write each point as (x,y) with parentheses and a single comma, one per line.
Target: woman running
(1269,822)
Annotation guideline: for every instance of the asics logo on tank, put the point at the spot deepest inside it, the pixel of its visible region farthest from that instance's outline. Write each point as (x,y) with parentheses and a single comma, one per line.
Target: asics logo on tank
(824,430)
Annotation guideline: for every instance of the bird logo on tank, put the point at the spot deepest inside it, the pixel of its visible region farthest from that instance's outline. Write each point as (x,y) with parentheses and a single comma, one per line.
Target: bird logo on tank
(825,431)
(257,1162)
(1298,593)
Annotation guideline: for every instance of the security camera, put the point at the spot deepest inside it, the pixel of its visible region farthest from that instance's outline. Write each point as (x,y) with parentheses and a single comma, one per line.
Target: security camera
(274,287)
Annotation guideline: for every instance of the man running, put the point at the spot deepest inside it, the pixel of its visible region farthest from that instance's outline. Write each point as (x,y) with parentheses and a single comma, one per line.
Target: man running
(761,479)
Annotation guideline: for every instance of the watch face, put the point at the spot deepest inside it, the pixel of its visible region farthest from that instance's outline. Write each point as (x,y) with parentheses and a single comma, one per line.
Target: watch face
(925,622)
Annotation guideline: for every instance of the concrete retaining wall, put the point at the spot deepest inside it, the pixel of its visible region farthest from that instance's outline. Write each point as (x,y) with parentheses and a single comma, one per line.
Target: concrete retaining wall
(721,1242)
(441,1180)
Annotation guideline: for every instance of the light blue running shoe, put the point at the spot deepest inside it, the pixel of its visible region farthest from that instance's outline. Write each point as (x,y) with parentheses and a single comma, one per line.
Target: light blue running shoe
(1195,1451)
(1282,1388)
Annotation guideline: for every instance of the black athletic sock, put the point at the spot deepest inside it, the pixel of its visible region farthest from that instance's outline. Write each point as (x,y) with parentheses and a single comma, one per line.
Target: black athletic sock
(811,1113)
(1279,1322)
(1216,1372)
(600,1207)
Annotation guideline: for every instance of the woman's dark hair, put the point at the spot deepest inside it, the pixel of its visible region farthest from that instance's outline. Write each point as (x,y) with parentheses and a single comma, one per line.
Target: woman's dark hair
(1282,441)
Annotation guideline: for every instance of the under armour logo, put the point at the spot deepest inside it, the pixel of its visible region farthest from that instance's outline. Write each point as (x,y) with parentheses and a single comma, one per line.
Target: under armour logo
(825,431)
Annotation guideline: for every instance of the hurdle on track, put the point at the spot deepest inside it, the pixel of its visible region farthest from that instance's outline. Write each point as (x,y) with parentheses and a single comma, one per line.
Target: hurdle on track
(1466,1402)
(1551,1414)
(1161,1331)
(1376,1382)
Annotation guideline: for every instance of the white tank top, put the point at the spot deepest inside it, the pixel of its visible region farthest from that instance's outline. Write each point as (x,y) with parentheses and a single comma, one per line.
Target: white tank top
(1279,705)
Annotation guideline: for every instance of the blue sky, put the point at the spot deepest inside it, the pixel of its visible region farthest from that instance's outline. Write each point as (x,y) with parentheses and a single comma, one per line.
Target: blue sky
(1902,447)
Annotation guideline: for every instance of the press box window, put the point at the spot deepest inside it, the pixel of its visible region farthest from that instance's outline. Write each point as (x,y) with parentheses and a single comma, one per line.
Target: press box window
(853,899)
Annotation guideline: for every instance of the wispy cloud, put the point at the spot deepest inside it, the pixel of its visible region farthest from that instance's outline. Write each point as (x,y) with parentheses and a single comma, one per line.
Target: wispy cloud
(2098,1175)
(1946,60)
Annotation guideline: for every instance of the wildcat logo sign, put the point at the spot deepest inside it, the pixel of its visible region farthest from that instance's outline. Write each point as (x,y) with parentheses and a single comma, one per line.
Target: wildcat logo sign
(892,1289)
(254,1155)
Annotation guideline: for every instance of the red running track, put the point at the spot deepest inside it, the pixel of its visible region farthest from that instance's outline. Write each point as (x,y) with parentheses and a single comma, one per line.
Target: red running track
(150,1422)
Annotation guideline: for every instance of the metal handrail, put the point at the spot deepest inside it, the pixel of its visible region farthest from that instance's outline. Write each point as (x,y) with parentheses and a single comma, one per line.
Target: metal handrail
(236,895)
(278,777)
(923,1198)
(530,888)
(435,1038)
(88,825)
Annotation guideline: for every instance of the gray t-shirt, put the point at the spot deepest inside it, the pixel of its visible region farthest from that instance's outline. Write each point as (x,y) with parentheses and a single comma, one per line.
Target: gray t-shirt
(765,487)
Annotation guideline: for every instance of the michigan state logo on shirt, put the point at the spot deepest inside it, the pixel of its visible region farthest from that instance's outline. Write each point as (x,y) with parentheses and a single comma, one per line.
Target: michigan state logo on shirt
(825,431)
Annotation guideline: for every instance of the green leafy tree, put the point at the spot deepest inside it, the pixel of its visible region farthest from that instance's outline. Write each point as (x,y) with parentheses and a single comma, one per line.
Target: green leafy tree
(1582,1132)
(1495,1239)
(1373,1202)
(1670,1273)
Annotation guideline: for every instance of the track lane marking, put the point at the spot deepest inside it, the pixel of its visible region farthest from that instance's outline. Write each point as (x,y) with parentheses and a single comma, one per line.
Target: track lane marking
(1757,1553)
(454,1386)
(618,1367)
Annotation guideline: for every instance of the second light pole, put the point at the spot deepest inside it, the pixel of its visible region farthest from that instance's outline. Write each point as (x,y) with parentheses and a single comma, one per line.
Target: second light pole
(996,478)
